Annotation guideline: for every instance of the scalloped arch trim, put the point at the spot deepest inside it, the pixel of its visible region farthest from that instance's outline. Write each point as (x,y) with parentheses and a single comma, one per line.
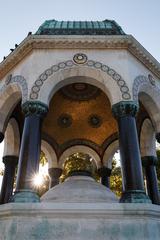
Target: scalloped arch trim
(34,95)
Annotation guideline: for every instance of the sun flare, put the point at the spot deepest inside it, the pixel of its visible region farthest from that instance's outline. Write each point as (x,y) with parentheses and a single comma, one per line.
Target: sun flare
(38,180)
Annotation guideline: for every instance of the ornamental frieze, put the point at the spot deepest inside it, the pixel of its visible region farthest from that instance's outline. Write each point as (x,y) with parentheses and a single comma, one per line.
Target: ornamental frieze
(122,85)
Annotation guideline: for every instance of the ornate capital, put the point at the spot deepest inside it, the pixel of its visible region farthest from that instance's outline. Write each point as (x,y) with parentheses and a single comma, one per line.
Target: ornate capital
(10,160)
(1,137)
(104,171)
(149,161)
(125,108)
(34,108)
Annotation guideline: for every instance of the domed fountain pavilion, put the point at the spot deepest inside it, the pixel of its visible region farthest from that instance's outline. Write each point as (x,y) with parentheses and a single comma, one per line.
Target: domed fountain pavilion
(78,91)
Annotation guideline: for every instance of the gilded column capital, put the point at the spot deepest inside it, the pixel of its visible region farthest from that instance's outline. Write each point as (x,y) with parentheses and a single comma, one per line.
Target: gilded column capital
(125,108)
(149,161)
(34,108)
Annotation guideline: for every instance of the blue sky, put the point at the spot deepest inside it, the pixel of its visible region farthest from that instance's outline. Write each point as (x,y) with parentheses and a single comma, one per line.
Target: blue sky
(141,18)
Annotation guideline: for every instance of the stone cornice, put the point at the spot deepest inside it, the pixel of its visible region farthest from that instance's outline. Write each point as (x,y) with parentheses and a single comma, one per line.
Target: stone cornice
(79,210)
(76,42)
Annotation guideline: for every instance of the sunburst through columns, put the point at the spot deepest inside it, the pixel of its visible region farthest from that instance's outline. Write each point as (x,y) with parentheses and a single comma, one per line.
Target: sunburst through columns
(29,152)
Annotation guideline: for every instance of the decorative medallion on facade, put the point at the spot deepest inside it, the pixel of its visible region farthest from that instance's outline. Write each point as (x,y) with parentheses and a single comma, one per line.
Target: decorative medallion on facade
(80,58)
(65,120)
(95,121)
(91,64)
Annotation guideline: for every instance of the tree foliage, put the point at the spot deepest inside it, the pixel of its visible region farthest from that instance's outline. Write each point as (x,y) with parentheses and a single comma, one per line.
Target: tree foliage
(116,179)
(45,185)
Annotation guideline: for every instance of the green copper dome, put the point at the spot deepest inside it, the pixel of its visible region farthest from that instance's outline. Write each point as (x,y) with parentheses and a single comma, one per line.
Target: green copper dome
(106,27)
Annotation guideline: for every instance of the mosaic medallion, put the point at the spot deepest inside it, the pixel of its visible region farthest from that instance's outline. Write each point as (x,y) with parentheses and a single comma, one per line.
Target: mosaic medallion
(80,58)
(95,121)
(64,120)
(80,91)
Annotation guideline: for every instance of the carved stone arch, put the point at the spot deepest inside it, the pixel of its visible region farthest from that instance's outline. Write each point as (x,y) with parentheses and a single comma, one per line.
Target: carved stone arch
(50,154)
(80,142)
(10,96)
(143,84)
(80,148)
(109,153)
(12,139)
(147,139)
(102,76)
(148,93)
(21,82)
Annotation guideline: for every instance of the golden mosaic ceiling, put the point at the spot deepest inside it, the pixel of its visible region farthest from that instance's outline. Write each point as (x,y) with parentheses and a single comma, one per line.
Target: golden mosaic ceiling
(87,116)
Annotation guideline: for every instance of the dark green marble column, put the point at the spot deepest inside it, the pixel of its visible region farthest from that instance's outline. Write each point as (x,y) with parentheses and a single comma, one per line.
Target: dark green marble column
(54,175)
(125,112)
(1,137)
(149,164)
(105,174)
(10,163)
(29,152)
(158,137)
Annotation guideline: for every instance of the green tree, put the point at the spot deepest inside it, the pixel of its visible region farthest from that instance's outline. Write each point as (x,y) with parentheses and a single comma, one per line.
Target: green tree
(45,185)
(116,179)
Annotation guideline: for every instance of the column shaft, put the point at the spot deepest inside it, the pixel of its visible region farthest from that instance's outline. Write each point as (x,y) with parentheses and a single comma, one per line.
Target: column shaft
(29,152)
(105,181)
(133,184)
(8,178)
(105,174)
(130,155)
(149,163)
(54,174)
(1,137)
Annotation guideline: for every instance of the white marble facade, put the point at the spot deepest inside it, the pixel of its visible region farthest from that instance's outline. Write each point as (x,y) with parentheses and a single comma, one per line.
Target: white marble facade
(119,66)
(125,71)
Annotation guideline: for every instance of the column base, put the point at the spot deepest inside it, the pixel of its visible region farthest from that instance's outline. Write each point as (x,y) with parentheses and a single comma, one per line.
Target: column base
(134,196)
(25,196)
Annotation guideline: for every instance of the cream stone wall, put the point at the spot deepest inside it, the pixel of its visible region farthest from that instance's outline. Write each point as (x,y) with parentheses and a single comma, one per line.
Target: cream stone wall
(123,62)
(79,221)
(12,139)
(147,139)
(50,154)
(109,153)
